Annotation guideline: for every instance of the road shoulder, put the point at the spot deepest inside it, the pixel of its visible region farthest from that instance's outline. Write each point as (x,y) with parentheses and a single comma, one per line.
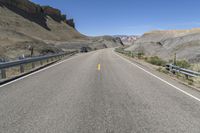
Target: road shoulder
(172,81)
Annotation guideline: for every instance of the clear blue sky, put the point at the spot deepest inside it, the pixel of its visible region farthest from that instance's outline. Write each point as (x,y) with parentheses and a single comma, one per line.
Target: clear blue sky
(111,17)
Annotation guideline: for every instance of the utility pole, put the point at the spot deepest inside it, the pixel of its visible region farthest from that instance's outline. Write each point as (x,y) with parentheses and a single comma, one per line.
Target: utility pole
(31,48)
(174,58)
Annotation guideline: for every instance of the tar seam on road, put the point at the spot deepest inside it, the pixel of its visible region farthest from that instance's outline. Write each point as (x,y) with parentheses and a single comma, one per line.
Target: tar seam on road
(42,70)
(186,93)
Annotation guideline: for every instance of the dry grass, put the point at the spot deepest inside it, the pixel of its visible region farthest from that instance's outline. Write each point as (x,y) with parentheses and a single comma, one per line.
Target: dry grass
(195,67)
(197,82)
(15,71)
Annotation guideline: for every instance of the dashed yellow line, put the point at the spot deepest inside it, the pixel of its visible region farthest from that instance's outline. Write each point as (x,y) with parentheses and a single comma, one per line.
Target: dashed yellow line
(99,67)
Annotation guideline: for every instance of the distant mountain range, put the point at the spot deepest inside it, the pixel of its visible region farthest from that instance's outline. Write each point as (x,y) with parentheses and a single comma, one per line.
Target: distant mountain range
(128,40)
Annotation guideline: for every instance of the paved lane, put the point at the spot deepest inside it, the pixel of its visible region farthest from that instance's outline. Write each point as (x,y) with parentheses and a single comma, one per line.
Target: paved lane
(96,93)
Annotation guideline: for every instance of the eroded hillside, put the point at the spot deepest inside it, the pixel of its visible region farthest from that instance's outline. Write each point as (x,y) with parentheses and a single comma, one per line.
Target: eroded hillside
(24,24)
(185,43)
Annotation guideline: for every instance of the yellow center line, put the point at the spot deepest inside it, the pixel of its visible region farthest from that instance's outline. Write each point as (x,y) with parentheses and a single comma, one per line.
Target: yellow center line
(99,67)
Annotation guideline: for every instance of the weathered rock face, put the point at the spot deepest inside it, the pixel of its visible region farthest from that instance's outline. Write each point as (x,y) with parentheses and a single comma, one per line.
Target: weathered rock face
(53,13)
(35,12)
(24,5)
(71,22)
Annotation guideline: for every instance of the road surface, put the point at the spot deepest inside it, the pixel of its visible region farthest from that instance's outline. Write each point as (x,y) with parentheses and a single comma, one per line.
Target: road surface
(97,92)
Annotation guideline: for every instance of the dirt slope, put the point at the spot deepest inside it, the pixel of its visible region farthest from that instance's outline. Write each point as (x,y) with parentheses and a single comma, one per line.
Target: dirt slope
(185,43)
(18,31)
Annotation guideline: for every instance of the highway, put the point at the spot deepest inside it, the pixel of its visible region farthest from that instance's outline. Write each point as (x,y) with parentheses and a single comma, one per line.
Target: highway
(98,92)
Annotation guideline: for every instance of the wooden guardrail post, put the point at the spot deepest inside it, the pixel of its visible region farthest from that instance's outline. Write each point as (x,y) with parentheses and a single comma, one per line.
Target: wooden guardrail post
(186,76)
(174,59)
(132,54)
(41,62)
(21,68)
(52,59)
(3,73)
(33,65)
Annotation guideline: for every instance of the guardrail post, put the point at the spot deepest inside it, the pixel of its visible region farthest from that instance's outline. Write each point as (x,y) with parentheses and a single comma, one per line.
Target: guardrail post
(174,72)
(132,54)
(33,65)
(3,73)
(21,68)
(186,76)
(41,62)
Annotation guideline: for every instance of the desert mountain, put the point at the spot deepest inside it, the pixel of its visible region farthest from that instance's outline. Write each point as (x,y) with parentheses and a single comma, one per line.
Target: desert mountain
(185,43)
(128,40)
(24,24)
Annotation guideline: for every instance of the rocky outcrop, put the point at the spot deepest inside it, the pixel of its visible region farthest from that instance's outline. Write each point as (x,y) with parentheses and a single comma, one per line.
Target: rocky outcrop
(53,13)
(36,13)
(24,5)
(127,40)
(107,41)
(70,22)
(24,24)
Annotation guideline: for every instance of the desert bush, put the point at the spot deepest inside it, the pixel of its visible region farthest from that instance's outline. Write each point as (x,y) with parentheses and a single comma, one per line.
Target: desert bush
(195,67)
(145,58)
(190,83)
(140,54)
(119,49)
(130,53)
(183,64)
(155,60)
(163,70)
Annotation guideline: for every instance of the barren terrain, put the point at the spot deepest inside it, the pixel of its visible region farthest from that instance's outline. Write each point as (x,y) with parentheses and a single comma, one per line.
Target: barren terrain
(185,43)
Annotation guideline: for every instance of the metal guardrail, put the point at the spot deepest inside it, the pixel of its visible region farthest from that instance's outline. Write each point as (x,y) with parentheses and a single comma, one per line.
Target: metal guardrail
(48,58)
(176,69)
(170,67)
(128,53)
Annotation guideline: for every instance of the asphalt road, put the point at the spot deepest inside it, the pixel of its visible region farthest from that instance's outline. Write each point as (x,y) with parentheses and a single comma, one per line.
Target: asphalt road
(97,92)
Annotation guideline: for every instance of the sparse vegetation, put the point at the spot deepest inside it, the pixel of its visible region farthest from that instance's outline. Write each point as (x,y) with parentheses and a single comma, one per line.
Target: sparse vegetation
(183,64)
(120,49)
(190,82)
(155,60)
(195,67)
(163,70)
(140,55)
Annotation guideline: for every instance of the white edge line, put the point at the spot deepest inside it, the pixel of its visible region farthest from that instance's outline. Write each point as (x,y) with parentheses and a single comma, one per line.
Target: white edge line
(186,93)
(18,79)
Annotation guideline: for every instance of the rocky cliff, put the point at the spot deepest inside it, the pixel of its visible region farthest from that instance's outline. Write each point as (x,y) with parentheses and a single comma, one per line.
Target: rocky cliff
(24,24)
(36,12)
